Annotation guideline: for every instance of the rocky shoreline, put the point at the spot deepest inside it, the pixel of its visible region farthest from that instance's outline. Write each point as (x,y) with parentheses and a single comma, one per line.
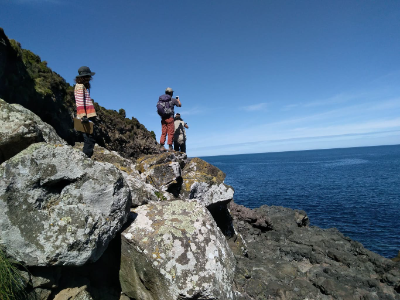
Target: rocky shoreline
(139,224)
(162,227)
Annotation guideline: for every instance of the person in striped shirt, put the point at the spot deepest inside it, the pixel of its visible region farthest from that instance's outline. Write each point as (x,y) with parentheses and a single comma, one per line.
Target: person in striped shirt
(84,106)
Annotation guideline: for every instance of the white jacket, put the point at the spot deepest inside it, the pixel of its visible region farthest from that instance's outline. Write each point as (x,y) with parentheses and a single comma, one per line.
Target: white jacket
(180,132)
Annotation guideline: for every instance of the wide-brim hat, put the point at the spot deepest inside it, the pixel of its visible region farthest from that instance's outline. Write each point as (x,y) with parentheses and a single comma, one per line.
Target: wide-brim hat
(85,71)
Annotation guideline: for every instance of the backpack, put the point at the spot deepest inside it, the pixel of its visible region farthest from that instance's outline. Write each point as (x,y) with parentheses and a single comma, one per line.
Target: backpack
(165,108)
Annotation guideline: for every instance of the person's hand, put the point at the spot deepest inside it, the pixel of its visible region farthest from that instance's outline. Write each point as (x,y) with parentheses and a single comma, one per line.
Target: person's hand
(94,119)
(84,119)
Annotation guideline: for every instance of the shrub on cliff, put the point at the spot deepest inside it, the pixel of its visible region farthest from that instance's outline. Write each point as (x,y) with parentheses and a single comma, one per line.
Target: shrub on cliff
(27,80)
(11,280)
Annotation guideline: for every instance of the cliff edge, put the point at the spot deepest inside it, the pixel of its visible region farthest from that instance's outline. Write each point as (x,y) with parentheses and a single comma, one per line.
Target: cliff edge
(140,224)
(28,81)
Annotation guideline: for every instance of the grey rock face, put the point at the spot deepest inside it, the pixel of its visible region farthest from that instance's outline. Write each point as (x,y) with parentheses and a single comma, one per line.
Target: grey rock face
(20,128)
(141,192)
(179,178)
(58,207)
(174,250)
(205,183)
(163,172)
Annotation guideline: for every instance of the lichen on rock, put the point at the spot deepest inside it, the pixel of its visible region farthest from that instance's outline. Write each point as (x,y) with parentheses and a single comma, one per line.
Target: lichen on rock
(58,207)
(19,128)
(182,247)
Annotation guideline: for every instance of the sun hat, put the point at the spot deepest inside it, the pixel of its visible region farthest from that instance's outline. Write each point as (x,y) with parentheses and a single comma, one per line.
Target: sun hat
(169,90)
(85,71)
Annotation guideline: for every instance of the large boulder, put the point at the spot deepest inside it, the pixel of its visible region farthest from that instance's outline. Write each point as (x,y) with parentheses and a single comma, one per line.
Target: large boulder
(57,207)
(19,128)
(205,183)
(174,250)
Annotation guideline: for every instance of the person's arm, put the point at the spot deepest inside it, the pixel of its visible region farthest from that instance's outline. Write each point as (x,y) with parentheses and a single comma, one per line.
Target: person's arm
(186,126)
(179,102)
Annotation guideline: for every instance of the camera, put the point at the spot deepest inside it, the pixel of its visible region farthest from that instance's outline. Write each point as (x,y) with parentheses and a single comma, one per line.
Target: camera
(177,97)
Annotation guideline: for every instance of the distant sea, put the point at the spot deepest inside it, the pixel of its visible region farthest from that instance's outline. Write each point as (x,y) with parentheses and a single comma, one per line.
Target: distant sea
(356,190)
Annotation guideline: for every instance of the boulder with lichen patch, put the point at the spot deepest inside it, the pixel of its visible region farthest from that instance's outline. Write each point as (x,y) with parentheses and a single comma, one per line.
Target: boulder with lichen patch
(205,183)
(20,128)
(161,170)
(174,250)
(141,192)
(57,207)
(164,172)
(184,178)
(145,163)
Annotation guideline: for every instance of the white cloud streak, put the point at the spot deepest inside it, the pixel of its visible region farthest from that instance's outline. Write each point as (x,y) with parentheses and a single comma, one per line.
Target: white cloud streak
(256,107)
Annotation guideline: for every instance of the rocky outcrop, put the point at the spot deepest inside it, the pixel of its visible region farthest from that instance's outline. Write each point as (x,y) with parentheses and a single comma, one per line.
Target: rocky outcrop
(205,183)
(74,294)
(185,178)
(28,81)
(128,137)
(174,250)
(291,260)
(62,214)
(58,207)
(141,192)
(164,172)
(20,128)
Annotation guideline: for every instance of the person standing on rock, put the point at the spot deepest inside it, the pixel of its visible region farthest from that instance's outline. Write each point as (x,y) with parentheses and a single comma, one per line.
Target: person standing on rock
(84,106)
(180,134)
(165,108)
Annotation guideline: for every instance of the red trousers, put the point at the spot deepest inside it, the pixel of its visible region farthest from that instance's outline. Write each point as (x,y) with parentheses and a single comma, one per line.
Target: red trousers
(167,127)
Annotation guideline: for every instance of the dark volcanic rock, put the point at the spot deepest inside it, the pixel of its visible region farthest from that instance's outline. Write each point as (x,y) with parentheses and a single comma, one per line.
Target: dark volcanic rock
(291,260)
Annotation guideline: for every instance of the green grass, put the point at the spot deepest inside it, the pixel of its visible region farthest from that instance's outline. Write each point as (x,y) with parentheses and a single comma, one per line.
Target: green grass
(160,196)
(11,280)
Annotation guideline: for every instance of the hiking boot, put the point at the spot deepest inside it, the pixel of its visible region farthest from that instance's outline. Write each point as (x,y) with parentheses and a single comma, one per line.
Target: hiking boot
(170,148)
(162,149)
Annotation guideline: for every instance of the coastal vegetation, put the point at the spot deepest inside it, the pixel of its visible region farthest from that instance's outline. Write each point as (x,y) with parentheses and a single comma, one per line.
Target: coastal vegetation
(127,225)
(11,280)
(27,80)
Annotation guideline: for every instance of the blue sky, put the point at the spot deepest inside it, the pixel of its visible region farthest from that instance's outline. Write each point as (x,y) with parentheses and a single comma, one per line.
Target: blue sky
(253,76)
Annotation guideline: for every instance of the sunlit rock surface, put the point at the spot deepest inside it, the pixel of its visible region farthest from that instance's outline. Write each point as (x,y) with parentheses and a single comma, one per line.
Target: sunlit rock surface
(19,128)
(58,207)
(185,178)
(141,192)
(174,250)
(205,183)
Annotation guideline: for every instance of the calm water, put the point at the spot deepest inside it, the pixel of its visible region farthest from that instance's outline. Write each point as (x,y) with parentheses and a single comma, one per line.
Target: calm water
(356,190)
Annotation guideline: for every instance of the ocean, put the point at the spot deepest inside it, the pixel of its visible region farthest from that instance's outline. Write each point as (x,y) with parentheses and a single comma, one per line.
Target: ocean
(356,190)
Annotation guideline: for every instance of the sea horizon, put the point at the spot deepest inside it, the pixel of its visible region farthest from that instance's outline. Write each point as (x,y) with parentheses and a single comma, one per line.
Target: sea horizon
(355,189)
(304,150)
